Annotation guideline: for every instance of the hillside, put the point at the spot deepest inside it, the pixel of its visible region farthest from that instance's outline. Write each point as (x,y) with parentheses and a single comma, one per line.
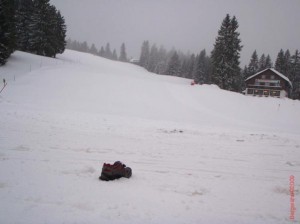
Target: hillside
(199,154)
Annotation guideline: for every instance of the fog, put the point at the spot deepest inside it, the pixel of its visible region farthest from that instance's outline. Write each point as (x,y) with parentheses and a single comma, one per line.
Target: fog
(187,25)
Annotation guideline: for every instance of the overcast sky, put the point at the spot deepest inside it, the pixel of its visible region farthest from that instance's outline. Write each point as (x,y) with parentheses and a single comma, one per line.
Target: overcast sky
(187,25)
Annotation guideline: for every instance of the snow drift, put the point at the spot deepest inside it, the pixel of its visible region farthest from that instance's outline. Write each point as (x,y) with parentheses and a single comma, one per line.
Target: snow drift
(199,154)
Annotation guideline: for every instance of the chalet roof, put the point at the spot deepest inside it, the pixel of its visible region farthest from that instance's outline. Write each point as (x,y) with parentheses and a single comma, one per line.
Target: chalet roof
(273,70)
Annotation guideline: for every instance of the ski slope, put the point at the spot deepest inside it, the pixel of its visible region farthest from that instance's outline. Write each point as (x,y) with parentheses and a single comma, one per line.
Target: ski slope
(198,154)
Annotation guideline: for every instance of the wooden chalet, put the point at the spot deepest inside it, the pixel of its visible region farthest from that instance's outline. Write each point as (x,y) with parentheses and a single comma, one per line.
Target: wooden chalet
(268,82)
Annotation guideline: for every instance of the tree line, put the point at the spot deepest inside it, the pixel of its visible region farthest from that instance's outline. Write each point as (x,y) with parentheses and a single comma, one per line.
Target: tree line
(222,66)
(105,52)
(175,63)
(33,26)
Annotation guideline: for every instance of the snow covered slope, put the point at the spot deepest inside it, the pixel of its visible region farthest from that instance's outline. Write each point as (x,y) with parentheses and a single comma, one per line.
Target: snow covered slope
(199,154)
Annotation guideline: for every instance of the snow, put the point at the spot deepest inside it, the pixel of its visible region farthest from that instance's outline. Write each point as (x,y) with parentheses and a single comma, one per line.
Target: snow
(198,154)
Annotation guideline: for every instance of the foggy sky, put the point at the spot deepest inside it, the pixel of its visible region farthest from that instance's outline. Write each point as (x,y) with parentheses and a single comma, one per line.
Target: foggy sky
(187,25)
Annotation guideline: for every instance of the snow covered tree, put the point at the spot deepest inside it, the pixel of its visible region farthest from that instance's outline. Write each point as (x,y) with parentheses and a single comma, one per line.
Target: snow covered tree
(225,56)
(108,53)
(93,49)
(185,67)
(24,11)
(295,75)
(161,66)
(202,68)
(269,63)
(153,59)
(283,63)
(7,30)
(253,66)
(262,62)
(114,55)
(287,63)
(174,66)
(40,28)
(145,53)
(60,33)
(280,61)
(101,52)
(191,66)
(123,55)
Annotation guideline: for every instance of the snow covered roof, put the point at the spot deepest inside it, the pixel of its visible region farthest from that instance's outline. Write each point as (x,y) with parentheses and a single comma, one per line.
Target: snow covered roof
(273,70)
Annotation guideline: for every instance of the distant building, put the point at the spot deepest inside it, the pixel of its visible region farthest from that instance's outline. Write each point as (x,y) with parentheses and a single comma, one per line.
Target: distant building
(134,61)
(268,82)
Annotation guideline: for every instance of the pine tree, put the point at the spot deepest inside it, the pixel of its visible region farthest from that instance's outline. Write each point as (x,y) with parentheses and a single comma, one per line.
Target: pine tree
(295,75)
(38,27)
(201,69)
(185,67)
(174,65)
(225,56)
(51,43)
(153,59)
(145,53)
(84,47)
(161,66)
(269,63)
(93,49)
(7,30)
(245,75)
(114,55)
(283,63)
(123,55)
(287,64)
(262,62)
(101,52)
(41,28)
(24,11)
(108,53)
(253,66)
(191,65)
(280,61)
(60,32)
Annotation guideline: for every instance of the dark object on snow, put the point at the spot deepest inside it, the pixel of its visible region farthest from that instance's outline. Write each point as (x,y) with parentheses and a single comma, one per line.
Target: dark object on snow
(115,171)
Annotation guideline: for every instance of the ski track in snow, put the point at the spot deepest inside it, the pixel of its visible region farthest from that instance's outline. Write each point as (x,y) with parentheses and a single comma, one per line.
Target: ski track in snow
(218,169)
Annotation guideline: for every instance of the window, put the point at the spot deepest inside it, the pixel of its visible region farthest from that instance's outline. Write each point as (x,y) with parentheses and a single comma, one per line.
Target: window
(275,93)
(250,91)
(272,77)
(266,92)
(258,92)
(263,76)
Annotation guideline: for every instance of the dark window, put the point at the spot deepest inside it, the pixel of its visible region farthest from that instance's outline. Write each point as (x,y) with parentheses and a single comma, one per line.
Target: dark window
(250,91)
(266,92)
(275,93)
(258,92)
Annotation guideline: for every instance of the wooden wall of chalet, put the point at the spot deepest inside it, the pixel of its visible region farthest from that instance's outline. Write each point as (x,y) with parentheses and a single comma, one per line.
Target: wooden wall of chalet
(267,75)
